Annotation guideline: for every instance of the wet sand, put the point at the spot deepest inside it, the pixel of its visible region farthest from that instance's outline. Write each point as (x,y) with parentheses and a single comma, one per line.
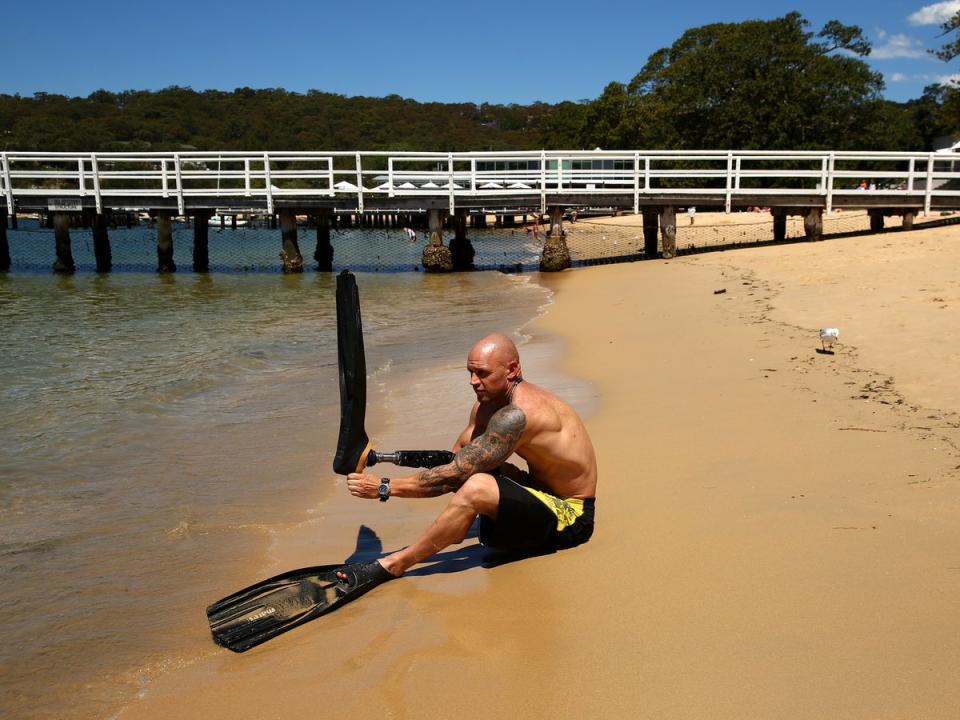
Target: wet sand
(777,532)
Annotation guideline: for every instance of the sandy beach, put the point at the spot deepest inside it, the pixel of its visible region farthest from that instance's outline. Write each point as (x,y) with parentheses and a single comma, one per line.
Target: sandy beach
(593,238)
(776,527)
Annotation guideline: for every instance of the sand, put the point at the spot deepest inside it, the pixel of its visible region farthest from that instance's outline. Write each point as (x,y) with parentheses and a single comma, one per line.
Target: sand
(777,528)
(607,236)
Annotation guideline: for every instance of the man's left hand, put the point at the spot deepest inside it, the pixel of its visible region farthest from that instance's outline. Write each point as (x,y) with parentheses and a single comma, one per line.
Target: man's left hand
(363,486)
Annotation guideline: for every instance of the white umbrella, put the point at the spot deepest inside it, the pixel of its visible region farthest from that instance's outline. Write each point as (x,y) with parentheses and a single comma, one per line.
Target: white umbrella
(491,186)
(345,186)
(448,186)
(519,186)
(429,185)
(407,186)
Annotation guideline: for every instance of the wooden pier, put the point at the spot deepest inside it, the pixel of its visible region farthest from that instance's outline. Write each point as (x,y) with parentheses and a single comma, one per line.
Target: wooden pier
(406,189)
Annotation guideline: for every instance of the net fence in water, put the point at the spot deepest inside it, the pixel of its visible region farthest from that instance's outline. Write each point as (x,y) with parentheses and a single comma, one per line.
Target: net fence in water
(256,247)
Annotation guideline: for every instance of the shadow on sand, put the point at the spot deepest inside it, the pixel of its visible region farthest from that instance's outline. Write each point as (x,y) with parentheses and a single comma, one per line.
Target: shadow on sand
(464,557)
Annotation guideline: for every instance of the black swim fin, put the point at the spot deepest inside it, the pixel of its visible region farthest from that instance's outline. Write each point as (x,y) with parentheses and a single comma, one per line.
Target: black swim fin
(273,606)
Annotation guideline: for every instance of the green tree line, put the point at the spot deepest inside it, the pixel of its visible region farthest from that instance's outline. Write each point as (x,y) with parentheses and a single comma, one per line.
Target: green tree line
(759,84)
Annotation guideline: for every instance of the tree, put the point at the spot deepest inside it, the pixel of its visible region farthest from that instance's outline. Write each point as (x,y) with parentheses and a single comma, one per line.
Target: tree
(951,49)
(948,114)
(752,85)
(607,121)
(928,117)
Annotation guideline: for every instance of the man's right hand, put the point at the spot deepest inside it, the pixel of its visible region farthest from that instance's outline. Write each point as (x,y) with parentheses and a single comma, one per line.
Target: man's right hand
(362,485)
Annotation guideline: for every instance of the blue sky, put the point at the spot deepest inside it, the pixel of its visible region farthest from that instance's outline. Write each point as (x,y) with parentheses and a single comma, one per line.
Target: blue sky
(490,51)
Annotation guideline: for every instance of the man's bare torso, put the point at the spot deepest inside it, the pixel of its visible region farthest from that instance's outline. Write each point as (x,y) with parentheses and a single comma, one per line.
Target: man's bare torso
(554,442)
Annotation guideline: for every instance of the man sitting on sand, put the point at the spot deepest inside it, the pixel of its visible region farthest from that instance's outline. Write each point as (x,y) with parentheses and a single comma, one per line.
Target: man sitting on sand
(549,508)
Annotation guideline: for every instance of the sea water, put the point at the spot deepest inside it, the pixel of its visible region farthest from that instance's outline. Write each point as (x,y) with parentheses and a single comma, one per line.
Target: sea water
(156,432)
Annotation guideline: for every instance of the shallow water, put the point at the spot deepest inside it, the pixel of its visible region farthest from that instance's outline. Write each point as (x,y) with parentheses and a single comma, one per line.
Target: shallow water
(155,432)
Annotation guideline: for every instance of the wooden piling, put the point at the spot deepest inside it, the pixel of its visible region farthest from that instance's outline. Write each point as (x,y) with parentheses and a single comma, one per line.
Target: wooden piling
(290,252)
(908,218)
(102,253)
(324,252)
(813,224)
(13,221)
(435,225)
(556,254)
(650,229)
(61,232)
(779,224)
(165,263)
(4,244)
(436,256)
(201,240)
(555,213)
(460,247)
(876,220)
(668,231)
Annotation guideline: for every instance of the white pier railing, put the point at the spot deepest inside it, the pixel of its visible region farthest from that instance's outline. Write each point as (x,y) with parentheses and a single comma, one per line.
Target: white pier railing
(120,180)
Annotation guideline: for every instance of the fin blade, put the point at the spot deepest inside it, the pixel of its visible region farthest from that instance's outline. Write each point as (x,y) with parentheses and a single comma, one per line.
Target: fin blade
(269,608)
(274,606)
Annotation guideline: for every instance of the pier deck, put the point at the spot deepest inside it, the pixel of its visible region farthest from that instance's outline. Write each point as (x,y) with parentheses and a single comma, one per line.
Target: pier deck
(380,181)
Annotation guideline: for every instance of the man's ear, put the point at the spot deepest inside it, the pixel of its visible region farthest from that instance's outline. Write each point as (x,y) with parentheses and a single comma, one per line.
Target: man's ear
(513,370)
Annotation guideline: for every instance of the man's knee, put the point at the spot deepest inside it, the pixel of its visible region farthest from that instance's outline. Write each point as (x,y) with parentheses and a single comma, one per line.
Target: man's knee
(480,492)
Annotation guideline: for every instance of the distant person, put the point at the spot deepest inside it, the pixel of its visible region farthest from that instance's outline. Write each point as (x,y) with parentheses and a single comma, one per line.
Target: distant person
(573,216)
(691,213)
(862,185)
(411,235)
(535,229)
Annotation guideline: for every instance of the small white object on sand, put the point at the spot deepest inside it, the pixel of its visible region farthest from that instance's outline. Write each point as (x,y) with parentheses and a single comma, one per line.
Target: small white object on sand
(828,336)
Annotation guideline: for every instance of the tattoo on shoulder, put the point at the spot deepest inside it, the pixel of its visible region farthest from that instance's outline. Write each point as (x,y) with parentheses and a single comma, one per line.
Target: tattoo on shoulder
(495,445)
(509,420)
(482,454)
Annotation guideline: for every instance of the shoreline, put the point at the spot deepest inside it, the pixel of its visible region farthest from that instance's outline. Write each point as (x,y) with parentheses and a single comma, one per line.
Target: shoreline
(231,481)
(770,543)
(334,526)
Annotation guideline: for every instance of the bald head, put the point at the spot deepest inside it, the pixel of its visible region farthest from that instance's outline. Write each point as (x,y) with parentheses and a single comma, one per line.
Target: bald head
(496,347)
(494,367)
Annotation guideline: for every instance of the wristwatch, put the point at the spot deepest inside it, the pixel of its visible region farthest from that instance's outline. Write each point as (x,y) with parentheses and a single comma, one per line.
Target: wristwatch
(384,489)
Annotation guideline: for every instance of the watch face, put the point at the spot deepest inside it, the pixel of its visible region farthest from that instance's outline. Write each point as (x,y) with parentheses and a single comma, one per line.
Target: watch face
(384,490)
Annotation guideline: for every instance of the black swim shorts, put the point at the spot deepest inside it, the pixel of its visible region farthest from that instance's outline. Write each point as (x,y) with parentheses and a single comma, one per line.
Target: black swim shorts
(529,519)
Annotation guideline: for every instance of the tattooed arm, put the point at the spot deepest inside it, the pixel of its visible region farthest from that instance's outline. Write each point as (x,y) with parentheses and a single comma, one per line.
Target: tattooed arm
(482,454)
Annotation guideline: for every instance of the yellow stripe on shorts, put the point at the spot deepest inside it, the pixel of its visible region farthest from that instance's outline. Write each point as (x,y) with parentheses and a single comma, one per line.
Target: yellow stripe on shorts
(567,511)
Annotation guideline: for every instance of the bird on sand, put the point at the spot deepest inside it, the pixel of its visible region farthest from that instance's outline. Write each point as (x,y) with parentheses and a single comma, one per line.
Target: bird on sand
(828,336)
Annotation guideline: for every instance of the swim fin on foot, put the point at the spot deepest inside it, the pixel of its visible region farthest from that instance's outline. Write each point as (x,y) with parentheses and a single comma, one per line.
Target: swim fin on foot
(271,607)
